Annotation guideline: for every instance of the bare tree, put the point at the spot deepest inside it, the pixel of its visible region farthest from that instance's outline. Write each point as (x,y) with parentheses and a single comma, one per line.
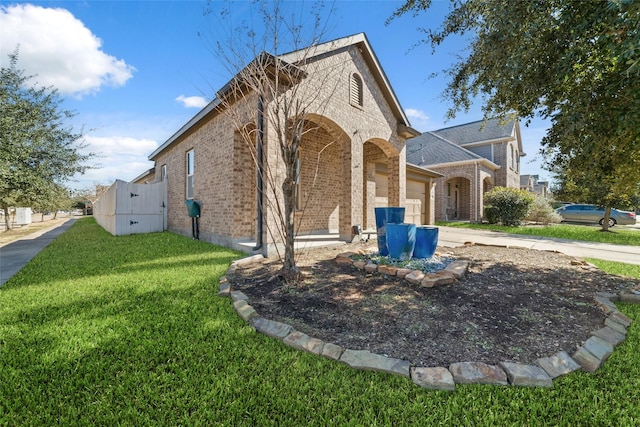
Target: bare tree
(285,89)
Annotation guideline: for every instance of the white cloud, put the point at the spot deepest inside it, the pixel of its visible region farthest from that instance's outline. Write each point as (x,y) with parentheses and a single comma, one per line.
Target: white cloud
(419,119)
(59,49)
(118,157)
(192,101)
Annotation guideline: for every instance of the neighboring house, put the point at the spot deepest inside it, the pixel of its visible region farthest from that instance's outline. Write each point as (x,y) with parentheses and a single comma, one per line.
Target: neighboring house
(146,177)
(532,184)
(473,158)
(357,148)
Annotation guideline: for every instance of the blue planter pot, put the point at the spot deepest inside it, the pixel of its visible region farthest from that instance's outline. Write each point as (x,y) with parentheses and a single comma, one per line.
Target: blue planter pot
(384,216)
(401,240)
(426,242)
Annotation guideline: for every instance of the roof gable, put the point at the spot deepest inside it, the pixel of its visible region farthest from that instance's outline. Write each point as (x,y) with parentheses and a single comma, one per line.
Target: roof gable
(431,149)
(309,54)
(478,132)
(360,41)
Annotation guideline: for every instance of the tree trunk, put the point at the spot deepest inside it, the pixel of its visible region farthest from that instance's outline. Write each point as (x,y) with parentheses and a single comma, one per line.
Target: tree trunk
(290,271)
(607,216)
(7,218)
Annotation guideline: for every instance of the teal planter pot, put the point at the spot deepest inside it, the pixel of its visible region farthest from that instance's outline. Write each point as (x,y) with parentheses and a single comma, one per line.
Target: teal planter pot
(426,242)
(401,240)
(384,216)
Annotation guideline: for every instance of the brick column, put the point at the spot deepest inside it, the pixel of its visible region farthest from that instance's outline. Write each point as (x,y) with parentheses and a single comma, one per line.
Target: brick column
(370,197)
(353,175)
(397,179)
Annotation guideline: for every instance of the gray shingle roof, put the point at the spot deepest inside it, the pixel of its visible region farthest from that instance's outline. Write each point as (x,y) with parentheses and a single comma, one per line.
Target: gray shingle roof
(479,131)
(447,145)
(431,149)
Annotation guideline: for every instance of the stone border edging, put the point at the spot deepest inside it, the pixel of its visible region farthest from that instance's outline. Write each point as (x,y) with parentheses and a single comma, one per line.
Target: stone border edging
(589,357)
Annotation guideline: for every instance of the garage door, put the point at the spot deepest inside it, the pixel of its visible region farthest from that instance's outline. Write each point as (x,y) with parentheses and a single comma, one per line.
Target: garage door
(415,207)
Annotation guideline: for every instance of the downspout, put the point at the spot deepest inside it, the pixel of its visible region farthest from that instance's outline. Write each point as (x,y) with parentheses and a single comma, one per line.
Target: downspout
(477,190)
(259,143)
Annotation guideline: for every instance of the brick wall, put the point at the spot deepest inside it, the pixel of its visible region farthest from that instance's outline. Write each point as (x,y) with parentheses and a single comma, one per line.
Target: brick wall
(224,170)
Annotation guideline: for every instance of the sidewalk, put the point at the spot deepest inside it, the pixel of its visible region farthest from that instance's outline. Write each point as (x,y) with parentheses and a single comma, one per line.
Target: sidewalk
(451,237)
(15,255)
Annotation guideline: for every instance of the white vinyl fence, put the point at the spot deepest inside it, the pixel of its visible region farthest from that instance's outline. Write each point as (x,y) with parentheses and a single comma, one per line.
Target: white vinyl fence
(128,208)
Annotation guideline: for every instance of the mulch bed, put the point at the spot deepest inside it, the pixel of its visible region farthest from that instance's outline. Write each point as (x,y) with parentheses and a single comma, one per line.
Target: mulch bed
(514,305)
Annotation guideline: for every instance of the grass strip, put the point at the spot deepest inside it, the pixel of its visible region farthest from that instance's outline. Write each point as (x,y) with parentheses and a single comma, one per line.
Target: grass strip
(103,330)
(617,235)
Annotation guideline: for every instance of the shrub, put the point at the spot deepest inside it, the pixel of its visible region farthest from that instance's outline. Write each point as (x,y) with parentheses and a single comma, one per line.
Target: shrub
(512,204)
(492,214)
(542,211)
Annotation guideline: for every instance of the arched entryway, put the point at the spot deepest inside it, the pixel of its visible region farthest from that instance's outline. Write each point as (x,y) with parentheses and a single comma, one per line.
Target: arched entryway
(380,183)
(457,199)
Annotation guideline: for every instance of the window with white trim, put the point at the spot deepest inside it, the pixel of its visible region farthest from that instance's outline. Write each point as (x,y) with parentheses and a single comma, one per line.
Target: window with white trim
(355,90)
(190,170)
(163,173)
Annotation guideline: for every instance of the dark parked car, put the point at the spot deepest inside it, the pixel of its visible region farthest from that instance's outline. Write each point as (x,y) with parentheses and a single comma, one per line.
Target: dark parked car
(595,215)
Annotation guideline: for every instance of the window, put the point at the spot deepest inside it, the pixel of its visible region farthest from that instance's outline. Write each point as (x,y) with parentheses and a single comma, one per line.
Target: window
(190,160)
(163,173)
(513,162)
(355,90)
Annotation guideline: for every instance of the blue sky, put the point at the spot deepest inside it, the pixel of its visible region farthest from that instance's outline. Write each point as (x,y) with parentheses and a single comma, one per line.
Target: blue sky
(136,71)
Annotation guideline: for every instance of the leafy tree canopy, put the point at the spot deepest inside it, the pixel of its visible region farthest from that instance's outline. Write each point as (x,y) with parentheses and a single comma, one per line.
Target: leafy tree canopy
(576,63)
(39,151)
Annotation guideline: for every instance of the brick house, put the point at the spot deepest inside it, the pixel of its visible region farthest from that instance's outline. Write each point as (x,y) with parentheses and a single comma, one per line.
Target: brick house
(352,155)
(473,158)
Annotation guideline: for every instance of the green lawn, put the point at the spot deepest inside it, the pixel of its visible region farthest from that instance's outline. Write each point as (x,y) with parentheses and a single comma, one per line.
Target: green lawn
(103,330)
(616,235)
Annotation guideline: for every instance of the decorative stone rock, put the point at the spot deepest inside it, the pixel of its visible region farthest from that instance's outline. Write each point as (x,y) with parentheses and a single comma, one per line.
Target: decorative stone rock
(272,328)
(610,296)
(433,378)
(477,373)
(611,336)
(244,310)
(606,305)
(237,296)
(587,361)
(458,268)
(371,268)
(247,260)
(224,290)
(222,280)
(615,325)
(557,365)
(593,353)
(630,297)
(332,351)
(304,342)
(346,254)
(438,279)
(402,272)
(387,269)
(416,277)
(599,348)
(526,375)
(364,359)
(344,261)
(359,264)
(617,316)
